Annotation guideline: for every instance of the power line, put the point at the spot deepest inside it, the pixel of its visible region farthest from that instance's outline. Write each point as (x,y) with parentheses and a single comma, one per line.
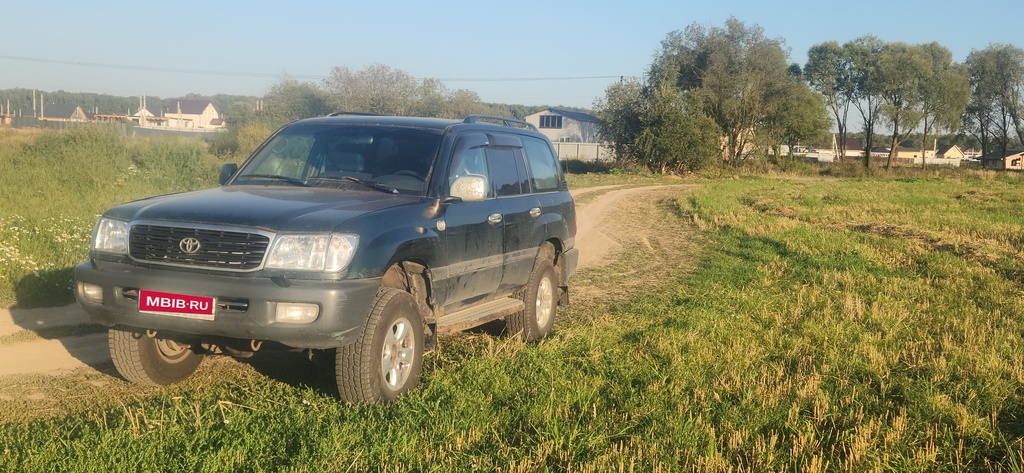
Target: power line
(157,69)
(523,79)
(270,75)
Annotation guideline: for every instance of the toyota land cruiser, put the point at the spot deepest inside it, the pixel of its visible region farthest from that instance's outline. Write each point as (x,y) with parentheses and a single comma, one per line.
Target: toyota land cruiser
(361,237)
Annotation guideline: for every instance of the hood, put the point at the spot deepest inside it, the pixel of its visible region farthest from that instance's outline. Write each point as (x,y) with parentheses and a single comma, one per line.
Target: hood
(274,208)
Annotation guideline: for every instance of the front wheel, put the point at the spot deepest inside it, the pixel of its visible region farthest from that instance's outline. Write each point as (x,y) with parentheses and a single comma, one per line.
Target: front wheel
(537,319)
(386,360)
(149,360)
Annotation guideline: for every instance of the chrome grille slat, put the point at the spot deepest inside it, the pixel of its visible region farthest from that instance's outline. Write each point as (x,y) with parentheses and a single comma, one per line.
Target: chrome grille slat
(220,249)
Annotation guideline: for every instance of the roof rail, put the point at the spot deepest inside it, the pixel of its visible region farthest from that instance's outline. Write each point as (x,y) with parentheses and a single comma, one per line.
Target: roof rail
(501,121)
(362,114)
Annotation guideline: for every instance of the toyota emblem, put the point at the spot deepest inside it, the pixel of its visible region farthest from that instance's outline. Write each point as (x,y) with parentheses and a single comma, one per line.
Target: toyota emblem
(189,245)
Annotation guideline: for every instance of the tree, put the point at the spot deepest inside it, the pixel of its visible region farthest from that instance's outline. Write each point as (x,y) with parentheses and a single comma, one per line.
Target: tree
(463,102)
(866,78)
(902,69)
(656,126)
(945,92)
(676,136)
(829,71)
(737,75)
(997,84)
(435,100)
(802,117)
(290,100)
(385,91)
(376,89)
(980,116)
(619,114)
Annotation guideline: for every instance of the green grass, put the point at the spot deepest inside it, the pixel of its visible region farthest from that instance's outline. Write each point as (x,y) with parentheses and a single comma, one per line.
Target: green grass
(56,183)
(869,324)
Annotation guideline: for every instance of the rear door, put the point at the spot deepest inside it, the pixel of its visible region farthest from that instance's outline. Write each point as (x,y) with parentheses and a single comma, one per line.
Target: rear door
(558,214)
(519,208)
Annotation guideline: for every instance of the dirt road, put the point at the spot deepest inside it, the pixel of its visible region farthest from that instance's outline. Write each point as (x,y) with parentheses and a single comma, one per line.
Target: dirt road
(63,353)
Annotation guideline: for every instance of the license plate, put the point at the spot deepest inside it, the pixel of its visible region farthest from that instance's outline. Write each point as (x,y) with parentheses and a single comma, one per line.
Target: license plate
(178,305)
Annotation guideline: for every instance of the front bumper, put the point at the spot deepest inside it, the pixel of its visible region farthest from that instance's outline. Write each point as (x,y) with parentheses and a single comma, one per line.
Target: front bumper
(246,305)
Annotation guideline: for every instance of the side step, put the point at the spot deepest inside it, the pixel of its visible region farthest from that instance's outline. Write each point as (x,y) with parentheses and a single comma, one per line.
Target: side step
(479,314)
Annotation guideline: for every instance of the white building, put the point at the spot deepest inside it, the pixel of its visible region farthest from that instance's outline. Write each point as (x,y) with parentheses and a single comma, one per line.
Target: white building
(565,126)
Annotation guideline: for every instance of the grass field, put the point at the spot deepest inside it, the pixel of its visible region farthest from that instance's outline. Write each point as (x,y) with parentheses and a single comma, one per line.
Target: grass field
(53,187)
(762,324)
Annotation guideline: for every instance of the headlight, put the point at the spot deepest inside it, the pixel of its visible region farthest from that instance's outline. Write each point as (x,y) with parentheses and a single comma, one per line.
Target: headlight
(330,253)
(111,236)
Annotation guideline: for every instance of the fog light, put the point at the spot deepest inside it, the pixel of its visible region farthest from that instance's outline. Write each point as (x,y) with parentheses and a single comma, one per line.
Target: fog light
(91,292)
(296,313)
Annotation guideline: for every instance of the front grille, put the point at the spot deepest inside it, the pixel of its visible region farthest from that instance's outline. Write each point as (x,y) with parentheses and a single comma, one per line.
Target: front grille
(219,249)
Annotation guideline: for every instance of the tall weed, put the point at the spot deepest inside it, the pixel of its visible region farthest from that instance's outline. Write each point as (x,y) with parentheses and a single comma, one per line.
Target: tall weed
(55,185)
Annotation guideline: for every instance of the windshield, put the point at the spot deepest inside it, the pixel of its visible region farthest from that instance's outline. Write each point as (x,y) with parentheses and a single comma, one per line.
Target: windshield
(384,158)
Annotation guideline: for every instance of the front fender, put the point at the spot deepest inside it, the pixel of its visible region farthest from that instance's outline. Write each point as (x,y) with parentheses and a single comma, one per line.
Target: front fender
(378,252)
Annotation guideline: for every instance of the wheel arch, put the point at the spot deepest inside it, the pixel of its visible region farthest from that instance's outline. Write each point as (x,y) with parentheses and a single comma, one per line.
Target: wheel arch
(552,250)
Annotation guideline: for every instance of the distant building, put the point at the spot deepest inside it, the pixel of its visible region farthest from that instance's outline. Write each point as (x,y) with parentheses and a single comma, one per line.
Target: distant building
(950,152)
(148,117)
(62,112)
(854,148)
(192,114)
(180,114)
(913,153)
(565,126)
(1013,159)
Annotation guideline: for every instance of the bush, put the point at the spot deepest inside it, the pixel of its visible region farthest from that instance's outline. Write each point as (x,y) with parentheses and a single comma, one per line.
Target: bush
(250,136)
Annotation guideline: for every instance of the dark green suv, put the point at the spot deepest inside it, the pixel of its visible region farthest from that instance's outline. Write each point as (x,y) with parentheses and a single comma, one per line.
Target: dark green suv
(356,236)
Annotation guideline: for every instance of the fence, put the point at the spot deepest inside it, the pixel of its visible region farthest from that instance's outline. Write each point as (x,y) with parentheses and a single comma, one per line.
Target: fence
(594,152)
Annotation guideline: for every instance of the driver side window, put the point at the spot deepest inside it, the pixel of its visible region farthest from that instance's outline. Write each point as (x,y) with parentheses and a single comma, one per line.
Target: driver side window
(469,159)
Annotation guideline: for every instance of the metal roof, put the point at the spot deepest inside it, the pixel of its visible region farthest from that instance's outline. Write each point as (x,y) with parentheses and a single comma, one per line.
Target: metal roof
(578,116)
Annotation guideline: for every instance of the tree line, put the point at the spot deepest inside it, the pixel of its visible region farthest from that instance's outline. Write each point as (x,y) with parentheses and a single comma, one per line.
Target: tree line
(728,95)
(377,89)
(20,101)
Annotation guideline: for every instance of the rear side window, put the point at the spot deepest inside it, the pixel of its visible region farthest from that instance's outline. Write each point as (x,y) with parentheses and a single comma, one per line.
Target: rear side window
(543,165)
(505,175)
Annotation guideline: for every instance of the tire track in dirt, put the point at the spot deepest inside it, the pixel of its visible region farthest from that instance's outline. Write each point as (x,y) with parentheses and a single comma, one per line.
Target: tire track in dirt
(59,355)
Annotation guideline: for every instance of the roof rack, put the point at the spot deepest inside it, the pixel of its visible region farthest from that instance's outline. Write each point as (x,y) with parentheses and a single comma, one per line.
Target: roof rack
(361,114)
(501,121)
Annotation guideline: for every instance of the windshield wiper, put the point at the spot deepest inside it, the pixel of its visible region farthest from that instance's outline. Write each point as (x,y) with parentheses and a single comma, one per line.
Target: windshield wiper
(287,179)
(370,184)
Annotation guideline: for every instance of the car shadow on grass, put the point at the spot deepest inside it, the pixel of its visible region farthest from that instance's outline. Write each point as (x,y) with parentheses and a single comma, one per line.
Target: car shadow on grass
(296,368)
(316,370)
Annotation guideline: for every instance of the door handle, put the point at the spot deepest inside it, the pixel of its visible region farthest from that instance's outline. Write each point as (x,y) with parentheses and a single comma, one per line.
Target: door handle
(494,219)
(535,212)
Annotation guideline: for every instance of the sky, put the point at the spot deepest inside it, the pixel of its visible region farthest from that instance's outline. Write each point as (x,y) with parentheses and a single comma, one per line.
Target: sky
(524,52)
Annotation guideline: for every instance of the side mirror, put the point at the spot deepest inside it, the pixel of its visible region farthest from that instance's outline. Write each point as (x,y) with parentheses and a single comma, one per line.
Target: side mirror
(470,188)
(226,171)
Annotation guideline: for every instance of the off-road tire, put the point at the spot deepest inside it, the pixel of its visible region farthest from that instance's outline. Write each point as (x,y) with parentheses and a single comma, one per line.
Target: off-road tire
(537,319)
(152,361)
(387,358)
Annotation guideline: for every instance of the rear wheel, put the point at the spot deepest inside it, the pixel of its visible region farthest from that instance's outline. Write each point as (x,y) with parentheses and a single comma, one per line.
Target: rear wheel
(149,360)
(537,319)
(386,360)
